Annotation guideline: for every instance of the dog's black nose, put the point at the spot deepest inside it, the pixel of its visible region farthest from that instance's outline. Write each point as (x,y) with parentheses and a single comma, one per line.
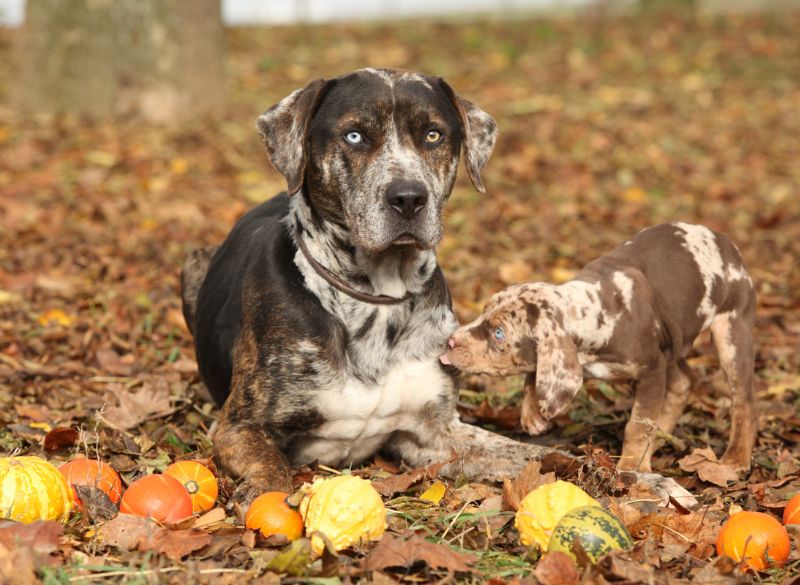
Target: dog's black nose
(406,197)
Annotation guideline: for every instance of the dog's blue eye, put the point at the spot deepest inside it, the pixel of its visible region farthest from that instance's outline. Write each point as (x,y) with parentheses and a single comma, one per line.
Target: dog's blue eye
(353,137)
(499,334)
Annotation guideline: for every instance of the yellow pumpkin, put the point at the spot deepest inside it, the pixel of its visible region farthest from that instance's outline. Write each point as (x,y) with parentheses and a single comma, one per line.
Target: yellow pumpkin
(33,489)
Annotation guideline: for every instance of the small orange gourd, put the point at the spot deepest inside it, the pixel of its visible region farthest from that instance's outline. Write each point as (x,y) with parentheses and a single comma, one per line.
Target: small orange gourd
(160,497)
(791,513)
(32,489)
(83,471)
(756,538)
(270,514)
(198,481)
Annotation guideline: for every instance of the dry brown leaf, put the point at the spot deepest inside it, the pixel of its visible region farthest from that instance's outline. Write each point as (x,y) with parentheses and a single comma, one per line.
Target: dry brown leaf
(110,362)
(39,537)
(400,483)
(59,438)
(514,490)
(556,568)
(17,566)
(151,401)
(708,468)
(395,551)
(128,532)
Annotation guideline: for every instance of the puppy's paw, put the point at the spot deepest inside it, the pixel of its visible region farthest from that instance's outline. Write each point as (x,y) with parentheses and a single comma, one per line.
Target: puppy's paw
(663,487)
(532,420)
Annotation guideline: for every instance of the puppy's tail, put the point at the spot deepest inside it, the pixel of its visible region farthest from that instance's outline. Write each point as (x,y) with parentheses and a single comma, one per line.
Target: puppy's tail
(193,274)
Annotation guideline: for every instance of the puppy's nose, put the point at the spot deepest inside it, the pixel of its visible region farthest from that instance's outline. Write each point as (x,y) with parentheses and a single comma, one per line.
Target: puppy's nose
(451,343)
(407,198)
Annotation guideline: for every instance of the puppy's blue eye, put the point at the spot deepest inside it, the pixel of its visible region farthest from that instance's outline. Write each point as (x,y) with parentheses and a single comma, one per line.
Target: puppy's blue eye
(499,334)
(353,137)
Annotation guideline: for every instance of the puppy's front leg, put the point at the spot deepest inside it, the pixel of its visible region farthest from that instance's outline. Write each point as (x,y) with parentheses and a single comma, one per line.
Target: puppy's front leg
(245,450)
(530,415)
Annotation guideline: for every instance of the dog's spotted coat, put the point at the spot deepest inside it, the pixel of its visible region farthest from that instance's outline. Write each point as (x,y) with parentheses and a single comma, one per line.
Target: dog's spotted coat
(630,315)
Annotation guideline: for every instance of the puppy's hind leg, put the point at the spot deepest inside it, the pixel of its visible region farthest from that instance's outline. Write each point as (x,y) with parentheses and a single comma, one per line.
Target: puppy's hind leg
(733,337)
(679,384)
(193,274)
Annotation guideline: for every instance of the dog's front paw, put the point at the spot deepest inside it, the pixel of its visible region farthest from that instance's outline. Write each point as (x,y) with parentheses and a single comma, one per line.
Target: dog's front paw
(663,487)
(532,420)
(249,489)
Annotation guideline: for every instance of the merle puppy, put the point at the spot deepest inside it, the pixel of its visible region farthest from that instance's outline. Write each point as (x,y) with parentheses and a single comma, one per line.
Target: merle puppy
(632,314)
(319,322)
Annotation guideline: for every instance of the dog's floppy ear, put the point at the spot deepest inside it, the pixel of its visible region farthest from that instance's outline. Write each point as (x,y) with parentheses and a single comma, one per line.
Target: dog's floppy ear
(559,375)
(284,129)
(480,133)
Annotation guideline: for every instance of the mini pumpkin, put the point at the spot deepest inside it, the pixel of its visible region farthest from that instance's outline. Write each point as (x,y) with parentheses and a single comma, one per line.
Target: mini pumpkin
(32,489)
(160,497)
(756,538)
(270,514)
(198,481)
(83,471)
(791,513)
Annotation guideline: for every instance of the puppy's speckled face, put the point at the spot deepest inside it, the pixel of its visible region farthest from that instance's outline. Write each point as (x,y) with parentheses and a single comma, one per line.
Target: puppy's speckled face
(377,151)
(499,342)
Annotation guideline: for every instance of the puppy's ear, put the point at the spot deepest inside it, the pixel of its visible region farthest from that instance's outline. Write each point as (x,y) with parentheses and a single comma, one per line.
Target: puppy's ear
(284,129)
(480,133)
(559,375)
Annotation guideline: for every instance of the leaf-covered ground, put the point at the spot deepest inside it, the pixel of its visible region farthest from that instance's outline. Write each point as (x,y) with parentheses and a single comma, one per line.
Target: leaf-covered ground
(606,126)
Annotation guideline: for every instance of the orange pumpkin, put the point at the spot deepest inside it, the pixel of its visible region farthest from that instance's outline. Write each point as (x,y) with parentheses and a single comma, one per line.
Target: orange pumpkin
(757,538)
(83,471)
(198,481)
(270,514)
(32,489)
(791,513)
(160,497)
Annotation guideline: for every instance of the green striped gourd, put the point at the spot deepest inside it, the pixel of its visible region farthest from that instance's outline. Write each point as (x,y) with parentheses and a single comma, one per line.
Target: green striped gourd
(598,531)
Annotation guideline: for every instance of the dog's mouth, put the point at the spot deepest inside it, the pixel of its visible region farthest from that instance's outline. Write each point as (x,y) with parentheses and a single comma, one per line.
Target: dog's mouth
(406,239)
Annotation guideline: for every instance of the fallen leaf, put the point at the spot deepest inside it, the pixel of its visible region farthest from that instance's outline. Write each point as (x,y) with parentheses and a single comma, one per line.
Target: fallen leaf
(60,437)
(394,551)
(514,490)
(435,493)
(556,568)
(708,468)
(293,559)
(96,503)
(151,401)
(128,532)
(210,518)
(40,537)
(110,362)
(54,317)
(400,483)
(176,544)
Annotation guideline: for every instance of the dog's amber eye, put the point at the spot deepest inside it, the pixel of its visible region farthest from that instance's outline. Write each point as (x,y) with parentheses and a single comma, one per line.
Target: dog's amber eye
(433,136)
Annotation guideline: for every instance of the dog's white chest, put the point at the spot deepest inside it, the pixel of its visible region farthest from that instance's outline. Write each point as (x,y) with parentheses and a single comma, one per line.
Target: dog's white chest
(361,416)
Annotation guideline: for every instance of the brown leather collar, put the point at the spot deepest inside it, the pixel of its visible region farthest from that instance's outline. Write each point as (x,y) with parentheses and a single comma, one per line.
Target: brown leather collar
(341,285)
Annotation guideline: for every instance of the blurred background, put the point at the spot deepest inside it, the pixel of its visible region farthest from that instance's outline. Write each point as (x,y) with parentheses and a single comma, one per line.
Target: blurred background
(127,138)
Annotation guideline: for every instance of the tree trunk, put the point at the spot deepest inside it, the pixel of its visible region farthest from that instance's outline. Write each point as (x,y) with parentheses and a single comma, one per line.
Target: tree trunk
(161,59)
